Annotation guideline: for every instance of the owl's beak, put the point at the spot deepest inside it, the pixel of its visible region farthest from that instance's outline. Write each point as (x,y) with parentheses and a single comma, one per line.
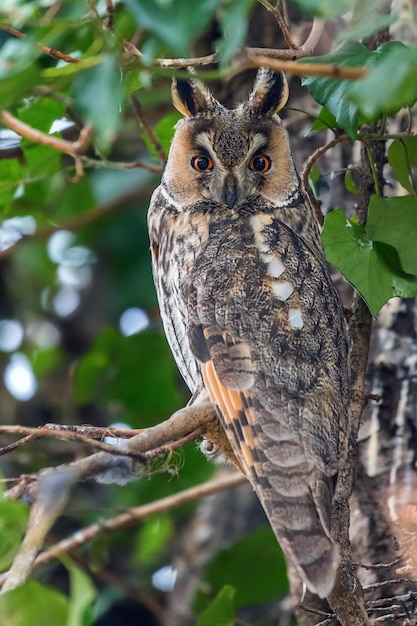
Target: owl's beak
(230,191)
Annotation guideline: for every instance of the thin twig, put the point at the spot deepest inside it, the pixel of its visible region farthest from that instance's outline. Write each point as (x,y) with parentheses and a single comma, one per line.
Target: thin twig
(377,565)
(121,165)
(307,169)
(69,435)
(75,149)
(281,23)
(52,52)
(392,581)
(135,515)
(314,37)
(11,447)
(114,467)
(144,124)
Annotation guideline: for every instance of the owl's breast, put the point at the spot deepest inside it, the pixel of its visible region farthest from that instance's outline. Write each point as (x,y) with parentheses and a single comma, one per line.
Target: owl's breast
(177,238)
(258,279)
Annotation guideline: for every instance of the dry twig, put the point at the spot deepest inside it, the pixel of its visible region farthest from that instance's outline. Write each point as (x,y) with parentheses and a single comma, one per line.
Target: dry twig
(75,149)
(307,169)
(52,52)
(135,515)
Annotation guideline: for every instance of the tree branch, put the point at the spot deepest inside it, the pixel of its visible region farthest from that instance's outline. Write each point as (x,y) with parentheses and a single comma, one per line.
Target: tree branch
(52,52)
(134,515)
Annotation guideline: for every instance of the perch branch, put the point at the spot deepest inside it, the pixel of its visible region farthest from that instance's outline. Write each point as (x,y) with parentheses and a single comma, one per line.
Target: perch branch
(115,466)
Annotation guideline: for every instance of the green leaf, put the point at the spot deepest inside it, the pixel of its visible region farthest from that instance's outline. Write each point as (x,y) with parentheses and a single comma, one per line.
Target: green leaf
(34,604)
(221,611)
(10,178)
(402,156)
(324,120)
(394,221)
(97,95)
(19,71)
(324,8)
(392,82)
(372,267)
(234,24)
(152,538)
(164,132)
(41,113)
(332,93)
(93,365)
(263,580)
(173,23)
(367,18)
(313,179)
(13,521)
(350,183)
(82,596)
(40,160)
(129,371)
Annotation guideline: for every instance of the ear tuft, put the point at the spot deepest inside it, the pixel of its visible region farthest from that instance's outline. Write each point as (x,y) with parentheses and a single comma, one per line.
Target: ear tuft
(192,98)
(270,92)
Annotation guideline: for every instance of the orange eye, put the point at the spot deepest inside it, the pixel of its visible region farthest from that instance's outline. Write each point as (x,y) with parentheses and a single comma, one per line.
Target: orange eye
(260,163)
(201,163)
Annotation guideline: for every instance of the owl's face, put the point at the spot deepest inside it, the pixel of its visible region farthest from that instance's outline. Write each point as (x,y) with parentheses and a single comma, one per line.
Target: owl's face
(229,156)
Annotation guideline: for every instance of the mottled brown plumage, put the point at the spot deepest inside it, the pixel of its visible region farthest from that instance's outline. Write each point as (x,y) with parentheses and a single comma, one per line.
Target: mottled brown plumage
(250,311)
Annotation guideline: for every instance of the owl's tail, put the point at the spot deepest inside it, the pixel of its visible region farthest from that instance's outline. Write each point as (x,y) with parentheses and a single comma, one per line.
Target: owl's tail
(296,495)
(298,502)
(305,543)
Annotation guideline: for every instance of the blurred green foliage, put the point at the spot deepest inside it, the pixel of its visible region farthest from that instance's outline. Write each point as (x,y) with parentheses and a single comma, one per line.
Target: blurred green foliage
(74,258)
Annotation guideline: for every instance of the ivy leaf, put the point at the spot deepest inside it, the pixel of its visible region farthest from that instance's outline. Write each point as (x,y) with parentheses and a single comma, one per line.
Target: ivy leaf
(349,101)
(220,611)
(392,82)
(372,267)
(332,93)
(394,221)
(324,120)
(402,156)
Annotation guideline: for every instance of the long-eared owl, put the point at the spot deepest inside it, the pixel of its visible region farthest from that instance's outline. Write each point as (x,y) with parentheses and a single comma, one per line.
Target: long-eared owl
(250,311)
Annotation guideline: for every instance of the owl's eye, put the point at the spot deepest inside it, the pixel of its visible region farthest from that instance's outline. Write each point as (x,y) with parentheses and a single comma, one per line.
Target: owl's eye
(260,163)
(201,163)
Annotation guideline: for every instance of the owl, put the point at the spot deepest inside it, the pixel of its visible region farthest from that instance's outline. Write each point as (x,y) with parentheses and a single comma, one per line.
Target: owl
(250,311)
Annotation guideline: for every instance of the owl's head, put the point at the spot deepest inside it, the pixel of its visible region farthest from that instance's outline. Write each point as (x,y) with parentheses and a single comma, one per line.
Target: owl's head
(231,155)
